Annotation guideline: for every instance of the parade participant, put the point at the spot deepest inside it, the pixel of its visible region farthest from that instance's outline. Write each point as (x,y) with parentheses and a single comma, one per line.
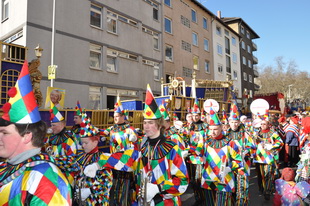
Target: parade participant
(27,177)
(160,170)
(243,119)
(122,136)
(61,142)
(224,121)
(268,144)
(77,121)
(170,130)
(195,140)
(291,141)
(221,158)
(247,147)
(89,191)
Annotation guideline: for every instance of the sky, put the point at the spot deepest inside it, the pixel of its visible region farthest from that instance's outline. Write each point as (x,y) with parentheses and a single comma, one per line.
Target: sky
(282,25)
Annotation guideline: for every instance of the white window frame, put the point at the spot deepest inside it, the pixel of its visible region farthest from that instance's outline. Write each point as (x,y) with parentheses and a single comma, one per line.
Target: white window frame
(205,23)
(248,35)
(113,18)
(219,49)
(242,29)
(244,60)
(5,6)
(218,30)
(245,76)
(249,49)
(170,59)
(250,78)
(233,40)
(206,44)
(95,49)
(194,17)
(111,68)
(156,70)
(166,18)
(207,66)
(235,75)
(156,41)
(97,11)
(243,45)
(234,58)
(249,63)
(195,38)
(220,68)
(195,66)
(95,98)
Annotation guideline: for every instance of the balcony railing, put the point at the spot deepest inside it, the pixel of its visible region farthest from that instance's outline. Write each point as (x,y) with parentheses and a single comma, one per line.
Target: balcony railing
(255,60)
(13,53)
(256,74)
(254,46)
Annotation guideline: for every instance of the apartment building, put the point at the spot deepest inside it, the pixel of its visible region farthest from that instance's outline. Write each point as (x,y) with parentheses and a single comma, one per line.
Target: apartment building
(247,57)
(101,47)
(226,55)
(187,40)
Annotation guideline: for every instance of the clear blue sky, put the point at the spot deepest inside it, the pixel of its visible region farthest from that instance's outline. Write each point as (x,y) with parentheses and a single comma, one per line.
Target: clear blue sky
(283,27)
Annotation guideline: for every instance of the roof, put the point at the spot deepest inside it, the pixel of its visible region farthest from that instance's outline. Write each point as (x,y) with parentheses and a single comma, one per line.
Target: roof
(229,20)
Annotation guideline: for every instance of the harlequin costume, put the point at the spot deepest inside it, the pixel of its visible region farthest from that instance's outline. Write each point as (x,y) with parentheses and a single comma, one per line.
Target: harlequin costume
(266,161)
(122,137)
(221,158)
(291,141)
(76,128)
(247,148)
(29,178)
(158,162)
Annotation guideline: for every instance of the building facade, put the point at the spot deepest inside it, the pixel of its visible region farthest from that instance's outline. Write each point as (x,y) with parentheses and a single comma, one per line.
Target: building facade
(102,48)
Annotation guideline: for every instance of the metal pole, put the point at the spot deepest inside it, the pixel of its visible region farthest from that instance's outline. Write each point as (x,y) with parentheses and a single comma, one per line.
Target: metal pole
(53,37)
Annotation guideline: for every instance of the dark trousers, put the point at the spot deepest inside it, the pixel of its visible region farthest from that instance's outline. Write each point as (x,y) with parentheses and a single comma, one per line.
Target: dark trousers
(293,155)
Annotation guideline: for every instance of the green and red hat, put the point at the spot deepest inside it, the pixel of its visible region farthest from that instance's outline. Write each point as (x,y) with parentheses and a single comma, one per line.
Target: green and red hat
(151,110)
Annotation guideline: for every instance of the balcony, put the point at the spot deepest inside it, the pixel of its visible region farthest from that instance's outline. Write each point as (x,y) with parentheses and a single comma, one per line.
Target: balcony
(254,46)
(256,74)
(255,60)
(257,87)
(12,53)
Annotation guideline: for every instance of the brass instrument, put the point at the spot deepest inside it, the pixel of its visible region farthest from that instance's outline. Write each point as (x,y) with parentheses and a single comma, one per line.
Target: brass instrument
(143,189)
(49,151)
(79,184)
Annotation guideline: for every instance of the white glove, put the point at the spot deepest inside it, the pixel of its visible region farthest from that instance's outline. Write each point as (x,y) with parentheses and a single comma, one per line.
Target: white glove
(85,192)
(184,153)
(268,146)
(132,138)
(152,190)
(227,170)
(49,131)
(90,170)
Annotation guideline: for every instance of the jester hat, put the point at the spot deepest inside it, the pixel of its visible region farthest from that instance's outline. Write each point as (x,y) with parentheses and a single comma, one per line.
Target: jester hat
(234,113)
(78,110)
(87,128)
(22,107)
(214,119)
(151,110)
(163,111)
(195,108)
(55,115)
(118,108)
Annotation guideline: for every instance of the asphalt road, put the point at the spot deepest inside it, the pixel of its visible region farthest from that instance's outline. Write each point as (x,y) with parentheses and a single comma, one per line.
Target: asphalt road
(255,198)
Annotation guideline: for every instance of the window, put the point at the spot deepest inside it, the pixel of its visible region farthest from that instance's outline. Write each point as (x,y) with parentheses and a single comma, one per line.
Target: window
(95,56)
(249,63)
(194,16)
(219,49)
(168,25)
(242,29)
(95,15)
(187,72)
(228,64)
(169,53)
(220,68)
(235,75)
(168,2)
(186,46)
(185,21)
(245,76)
(234,57)
(155,13)
(248,35)
(227,45)
(244,60)
(226,32)
(233,41)
(156,72)
(111,63)
(207,66)
(249,49)
(195,62)
(94,98)
(218,31)
(112,22)
(206,44)
(250,78)
(195,38)
(243,45)
(205,23)
(5,10)
(156,41)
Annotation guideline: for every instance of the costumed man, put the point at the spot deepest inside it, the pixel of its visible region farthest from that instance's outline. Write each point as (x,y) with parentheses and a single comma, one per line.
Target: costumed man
(247,148)
(77,118)
(221,159)
(268,144)
(225,124)
(291,141)
(88,191)
(196,137)
(122,136)
(27,177)
(61,142)
(170,130)
(161,175)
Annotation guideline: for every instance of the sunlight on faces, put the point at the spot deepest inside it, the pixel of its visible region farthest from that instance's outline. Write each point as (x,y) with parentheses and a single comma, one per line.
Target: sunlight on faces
(225,127)
(234,124)
(167,124)
(151,128)
(77,120)
(189,118)
(10,141)
(264,125)
(88,144)
(118,118)
(215,130)
(57,127)
(196,117)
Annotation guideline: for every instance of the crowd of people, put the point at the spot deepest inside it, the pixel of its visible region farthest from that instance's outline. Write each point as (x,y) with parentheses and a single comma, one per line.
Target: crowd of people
(155,166)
